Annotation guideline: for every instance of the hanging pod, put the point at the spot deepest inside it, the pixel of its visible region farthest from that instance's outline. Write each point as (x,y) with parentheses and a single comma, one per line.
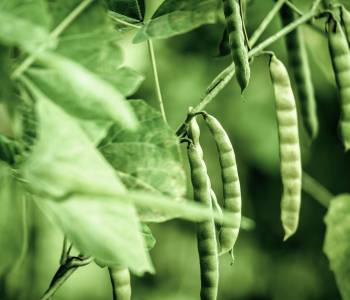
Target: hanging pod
(121,286)
(290,159)
(236,35)
(340,56)
(230,180)
(299,62)
(206,235)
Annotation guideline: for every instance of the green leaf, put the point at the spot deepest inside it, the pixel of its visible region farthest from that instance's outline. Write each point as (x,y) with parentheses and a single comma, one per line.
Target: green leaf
(80,92)
(92,41)
(146,159)
(134,9)
(148,236)
(63,160)
(105,228)
(15,31)
(175,17)
(337,243)
(12,232)
(34,11)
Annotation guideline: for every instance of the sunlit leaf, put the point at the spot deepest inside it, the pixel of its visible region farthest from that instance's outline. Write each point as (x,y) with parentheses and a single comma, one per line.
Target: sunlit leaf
(337,243)
(102,227)
(175,17)
(63,160)
(146,159)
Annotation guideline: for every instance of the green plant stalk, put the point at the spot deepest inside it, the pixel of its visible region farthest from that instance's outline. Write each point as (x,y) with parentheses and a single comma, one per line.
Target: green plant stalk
(265,22)
(156,79)
(226,75)
(54,34)
(63,273)
(316,190)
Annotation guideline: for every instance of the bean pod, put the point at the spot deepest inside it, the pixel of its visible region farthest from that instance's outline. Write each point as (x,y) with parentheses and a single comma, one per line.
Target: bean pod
(345,17)
(287,122)
(230,181)
(340,55)
(234,25)
(206,236)
(299,62)
(121,286)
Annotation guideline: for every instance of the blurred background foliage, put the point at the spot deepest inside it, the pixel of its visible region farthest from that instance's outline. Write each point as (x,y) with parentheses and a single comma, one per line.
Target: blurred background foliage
(264,267)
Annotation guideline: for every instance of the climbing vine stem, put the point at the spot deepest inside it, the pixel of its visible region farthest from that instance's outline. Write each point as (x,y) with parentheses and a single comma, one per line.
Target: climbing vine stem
(225,76)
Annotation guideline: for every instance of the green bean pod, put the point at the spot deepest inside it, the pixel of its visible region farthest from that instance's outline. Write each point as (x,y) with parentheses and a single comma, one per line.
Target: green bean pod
(121,286)
(206,236)
(239,51)
(230,181)
(340,55)
(287,122)
(194,134)
(345,17)
(298,59)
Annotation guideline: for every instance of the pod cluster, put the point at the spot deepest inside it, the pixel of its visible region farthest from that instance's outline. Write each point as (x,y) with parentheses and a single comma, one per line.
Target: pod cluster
(208,247)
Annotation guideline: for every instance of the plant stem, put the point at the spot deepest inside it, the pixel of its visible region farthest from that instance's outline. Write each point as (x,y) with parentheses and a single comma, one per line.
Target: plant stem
(54,34)
(316,190)
(265,22)
(63,273)
(226,75)
(156,78)
(114,18)
(289,28)
(293,7)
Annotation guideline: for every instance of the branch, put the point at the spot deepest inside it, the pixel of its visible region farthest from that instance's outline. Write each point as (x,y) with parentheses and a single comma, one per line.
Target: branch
(265,22)
(63,273)
(156,78)
(226,75)
(54,34)
(316,190)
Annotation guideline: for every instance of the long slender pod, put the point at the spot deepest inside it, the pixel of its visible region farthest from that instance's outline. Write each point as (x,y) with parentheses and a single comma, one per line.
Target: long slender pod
(287,122)
(345,18)
(194,135)
(206,235)
(298,59)
(121,286)
(234,24)
(340,55)
(230,181)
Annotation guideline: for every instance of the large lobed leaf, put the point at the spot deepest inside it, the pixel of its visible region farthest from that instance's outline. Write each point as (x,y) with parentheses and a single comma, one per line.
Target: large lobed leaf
(337,243)
(175,17)
(147,159)
(80,92)
(81,193)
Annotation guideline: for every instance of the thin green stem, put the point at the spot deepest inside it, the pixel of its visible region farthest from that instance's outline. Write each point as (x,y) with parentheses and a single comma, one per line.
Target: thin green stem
(63,273)
(265,22)
(54,34)
(226,75)
(116,19)
(156,78)
(294,8)
(316,190)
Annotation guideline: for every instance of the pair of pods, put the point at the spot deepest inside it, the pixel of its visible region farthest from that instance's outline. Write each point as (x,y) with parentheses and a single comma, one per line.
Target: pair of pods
(206,231)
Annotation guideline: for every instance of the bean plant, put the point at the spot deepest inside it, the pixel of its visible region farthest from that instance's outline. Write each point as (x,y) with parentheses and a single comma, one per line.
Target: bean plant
(79,147)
